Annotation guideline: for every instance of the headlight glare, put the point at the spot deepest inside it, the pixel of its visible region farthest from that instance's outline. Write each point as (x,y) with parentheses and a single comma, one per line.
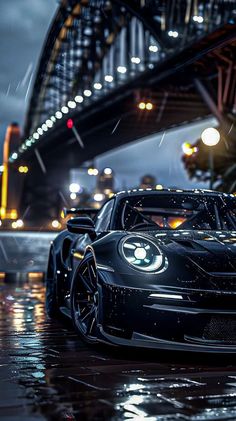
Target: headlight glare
(143,254)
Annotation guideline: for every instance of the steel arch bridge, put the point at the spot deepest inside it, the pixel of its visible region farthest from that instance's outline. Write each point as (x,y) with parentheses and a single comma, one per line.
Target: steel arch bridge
(95,46)
(102,58)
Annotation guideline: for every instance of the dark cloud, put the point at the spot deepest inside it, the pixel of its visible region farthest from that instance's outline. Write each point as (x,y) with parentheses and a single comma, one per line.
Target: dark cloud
(156,155)
(23,27)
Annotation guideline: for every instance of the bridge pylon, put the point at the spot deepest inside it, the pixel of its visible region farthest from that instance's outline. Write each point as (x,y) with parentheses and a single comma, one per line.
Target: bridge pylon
(10,183)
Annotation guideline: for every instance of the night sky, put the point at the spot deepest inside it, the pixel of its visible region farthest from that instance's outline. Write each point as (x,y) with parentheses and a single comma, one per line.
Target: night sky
(23,27)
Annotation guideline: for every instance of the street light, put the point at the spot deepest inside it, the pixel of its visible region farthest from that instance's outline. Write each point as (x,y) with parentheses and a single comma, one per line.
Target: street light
(92,171)
(98,197)
(210,137)
(107,171)
(188,149)
(142,105)
(19,223)
(149,106)
(74,188)
(56,224)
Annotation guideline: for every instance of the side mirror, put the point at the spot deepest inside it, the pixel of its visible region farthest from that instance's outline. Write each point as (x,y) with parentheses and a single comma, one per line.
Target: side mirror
(81,225)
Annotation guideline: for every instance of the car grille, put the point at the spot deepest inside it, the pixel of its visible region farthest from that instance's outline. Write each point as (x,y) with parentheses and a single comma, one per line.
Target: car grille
(221,329)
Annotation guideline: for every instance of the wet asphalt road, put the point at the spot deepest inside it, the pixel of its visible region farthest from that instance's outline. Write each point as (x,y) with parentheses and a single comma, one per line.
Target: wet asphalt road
(47,373)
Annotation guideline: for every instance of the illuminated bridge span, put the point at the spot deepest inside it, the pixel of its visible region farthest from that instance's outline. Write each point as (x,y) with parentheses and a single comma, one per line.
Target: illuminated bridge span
(120,70)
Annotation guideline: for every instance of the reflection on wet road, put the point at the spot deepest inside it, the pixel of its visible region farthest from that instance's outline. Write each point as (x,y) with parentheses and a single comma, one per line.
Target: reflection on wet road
(47,373)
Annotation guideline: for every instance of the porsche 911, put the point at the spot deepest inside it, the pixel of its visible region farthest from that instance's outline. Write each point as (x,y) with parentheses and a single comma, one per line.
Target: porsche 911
(152,269)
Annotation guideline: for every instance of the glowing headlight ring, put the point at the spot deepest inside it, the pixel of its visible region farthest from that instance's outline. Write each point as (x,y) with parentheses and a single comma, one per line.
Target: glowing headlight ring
(159,263)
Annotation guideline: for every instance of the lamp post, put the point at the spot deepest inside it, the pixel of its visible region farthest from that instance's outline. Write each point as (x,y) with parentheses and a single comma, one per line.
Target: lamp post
(210,137)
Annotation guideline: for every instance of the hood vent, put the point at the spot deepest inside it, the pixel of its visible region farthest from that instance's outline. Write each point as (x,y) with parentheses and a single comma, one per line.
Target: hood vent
(191,245)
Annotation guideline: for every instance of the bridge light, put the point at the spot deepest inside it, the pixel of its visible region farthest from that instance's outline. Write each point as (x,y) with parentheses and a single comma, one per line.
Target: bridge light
(87,93)
(49,123)
(135,60)
(173,34)
(153,48)
(108,78)
(64,110)
(121,69)
(40,131)
(73,196)
(79,98)
(97,85)
(74,188)
(14,225)
(58,115)
(23,169)
(53,119)
(159,187)
(70,123)
(71,104)
(44,127)
(142,105)
(35,136)
(198,19)
(149,106)
(14,156)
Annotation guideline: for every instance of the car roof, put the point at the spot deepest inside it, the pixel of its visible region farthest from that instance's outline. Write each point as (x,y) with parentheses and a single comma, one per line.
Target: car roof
(141,192)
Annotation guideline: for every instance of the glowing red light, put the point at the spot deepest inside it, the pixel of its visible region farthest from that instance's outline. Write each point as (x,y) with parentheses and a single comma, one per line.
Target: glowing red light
(70,123)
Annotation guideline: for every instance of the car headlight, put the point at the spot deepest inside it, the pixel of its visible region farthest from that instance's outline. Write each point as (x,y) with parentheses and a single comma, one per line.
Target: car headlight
(143,254)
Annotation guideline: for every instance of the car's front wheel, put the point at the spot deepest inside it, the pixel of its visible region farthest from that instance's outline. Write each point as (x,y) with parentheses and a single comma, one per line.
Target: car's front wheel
(84,300)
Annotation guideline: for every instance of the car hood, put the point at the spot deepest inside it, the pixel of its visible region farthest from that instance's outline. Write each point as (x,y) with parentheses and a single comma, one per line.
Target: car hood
(212,251)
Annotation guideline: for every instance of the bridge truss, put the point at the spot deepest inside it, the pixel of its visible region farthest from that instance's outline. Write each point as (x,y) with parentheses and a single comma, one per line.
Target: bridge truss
(95,47)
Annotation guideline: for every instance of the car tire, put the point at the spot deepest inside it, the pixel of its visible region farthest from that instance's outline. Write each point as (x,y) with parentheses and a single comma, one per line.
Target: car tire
(85,299)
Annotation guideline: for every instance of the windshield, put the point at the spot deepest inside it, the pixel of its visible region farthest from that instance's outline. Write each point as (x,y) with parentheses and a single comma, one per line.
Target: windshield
(176,212)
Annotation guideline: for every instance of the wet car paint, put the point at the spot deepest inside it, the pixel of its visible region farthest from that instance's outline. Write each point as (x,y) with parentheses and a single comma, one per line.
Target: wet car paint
(47,373)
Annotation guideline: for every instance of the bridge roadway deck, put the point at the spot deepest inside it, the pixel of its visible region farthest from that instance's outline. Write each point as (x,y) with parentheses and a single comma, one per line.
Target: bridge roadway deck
(47,373)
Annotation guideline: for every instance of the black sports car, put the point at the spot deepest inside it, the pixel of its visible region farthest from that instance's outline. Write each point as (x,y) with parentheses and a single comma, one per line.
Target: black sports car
(153,269)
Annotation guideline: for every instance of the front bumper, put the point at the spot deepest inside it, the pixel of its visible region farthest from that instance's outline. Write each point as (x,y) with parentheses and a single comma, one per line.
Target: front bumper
(143,341)
(199,321)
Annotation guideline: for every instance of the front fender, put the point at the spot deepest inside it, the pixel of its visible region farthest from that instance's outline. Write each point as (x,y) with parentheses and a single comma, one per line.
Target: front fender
(180,272)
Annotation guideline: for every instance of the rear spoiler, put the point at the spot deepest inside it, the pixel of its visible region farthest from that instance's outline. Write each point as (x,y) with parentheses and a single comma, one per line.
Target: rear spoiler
(80,211)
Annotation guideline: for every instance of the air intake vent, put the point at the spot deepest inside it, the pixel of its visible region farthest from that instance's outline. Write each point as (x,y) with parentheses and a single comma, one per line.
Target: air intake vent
(189,244)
